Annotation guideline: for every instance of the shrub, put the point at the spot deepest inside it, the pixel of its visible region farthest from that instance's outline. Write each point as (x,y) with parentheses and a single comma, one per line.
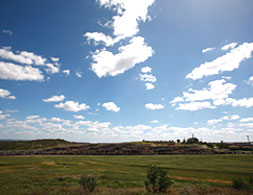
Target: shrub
(157,180)
(250,180)
(88,182)
(238,183)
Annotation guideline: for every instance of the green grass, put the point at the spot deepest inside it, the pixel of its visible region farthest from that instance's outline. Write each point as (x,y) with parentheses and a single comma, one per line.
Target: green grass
(55,174)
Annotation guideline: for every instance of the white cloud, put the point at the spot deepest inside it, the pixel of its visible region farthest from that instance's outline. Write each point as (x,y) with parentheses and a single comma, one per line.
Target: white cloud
(100,37)
(29,58)
(111,106)
(32,117)
(7,31)
(3,116)
(22,57)
(246,120)
(79,117)
(106,63)
(214,121)
(52,68)
(54,98)
(149,86)
(56,119)
(228,118)
(234,117)
(177,99)
(11,111)
(10,71)
(193,106)
(229,46)
(250,81)
(151,106)
(129,13)
(227,77)
(208,49)
(227,62)
(67,72)
(217,90)
(147,78)
(244,102)
(154,121)
(72,106)
(78,74)
(6,94)
(54,59)
(146,69)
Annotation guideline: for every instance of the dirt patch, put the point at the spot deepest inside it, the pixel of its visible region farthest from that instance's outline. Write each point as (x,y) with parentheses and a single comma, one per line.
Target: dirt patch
(200,179)
(50,163)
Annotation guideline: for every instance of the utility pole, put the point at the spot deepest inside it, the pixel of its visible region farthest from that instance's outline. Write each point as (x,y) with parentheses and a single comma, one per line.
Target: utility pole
(248,139)
(250,144)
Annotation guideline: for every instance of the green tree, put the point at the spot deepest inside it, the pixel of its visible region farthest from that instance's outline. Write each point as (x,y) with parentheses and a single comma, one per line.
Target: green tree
(157,180)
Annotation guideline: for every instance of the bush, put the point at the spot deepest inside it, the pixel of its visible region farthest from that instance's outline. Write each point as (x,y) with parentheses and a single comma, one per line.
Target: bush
(238,183)
(88,182)
(157,180)
(250,180)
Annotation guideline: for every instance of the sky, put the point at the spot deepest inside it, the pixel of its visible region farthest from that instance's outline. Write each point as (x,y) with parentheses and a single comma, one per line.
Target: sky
(123,70)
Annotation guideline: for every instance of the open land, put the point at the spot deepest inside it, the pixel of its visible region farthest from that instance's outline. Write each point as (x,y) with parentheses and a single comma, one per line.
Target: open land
(120,174)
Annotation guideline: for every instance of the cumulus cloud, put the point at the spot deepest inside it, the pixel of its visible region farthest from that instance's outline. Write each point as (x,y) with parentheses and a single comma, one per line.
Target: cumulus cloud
(54,98)
(218,89)
(149,86)
(29,58)
(146,69)
(6,94)
(224,118)
(67,72)
(208,49)
(176,100)
(32,117)
(100,37)
(250,81)
(10,71)
(227,62)
(79,74)
(54,59)
(154,121)
(79,117)
(3,116)
(246,120)
(193,106)
(7,31)
(72,106)
(106,63)
(229,46)
(147,78)
(22,57)
(151,106)
(111,106)
(125,23)
(244,102)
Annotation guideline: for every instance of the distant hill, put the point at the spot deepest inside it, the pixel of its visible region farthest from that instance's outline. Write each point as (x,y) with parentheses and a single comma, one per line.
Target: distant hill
(62,147)
(11,145)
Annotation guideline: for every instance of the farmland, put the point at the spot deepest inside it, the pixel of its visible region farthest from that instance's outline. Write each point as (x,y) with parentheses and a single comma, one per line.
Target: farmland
(122,174)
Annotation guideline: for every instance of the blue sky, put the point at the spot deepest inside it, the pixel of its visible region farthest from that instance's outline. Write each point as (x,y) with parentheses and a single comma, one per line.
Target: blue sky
(117,70)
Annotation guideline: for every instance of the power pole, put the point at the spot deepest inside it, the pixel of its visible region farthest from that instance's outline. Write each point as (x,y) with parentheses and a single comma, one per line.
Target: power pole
(248,139)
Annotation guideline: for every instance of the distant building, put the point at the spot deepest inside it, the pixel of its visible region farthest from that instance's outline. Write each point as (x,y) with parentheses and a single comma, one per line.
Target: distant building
(192,140)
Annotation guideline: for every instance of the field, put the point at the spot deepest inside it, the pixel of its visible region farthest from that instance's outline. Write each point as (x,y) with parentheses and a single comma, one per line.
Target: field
(197,174)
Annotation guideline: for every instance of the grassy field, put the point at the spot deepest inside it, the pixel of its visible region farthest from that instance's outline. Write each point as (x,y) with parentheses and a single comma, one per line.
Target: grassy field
(120,174)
